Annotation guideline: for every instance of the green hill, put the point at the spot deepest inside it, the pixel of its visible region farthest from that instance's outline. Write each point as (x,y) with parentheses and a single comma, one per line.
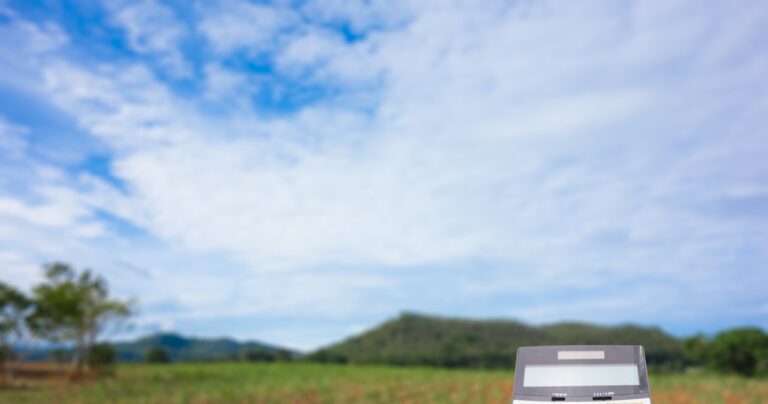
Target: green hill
(415,339)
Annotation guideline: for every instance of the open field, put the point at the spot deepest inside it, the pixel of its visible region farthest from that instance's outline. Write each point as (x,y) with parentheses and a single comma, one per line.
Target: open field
(310,383)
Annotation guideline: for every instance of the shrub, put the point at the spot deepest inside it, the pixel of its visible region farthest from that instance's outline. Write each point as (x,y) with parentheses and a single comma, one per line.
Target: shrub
(259,355)
(101,356)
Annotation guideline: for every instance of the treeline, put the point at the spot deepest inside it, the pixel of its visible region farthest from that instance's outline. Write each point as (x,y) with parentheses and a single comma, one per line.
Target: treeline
(159,354)
(414,339)
(69,308)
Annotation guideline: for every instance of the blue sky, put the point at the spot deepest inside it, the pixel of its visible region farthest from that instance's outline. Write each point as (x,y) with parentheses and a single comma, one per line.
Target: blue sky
(296,171)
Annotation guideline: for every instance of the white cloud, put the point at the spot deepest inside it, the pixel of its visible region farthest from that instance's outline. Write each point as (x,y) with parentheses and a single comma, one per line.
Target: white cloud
(51,215)
(153,28)
(222,83)
(310,49)
(125,105)
(13,142)
(26,46)
(17,268)
(240,25)
(360,16)
(35,38)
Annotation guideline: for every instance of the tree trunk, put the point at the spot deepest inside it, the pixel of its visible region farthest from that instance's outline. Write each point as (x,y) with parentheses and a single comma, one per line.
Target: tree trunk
(75,360)
(89,346)
(7,365)
(77,355)
(10,367)
(19,356)
(81,355)
(4,351)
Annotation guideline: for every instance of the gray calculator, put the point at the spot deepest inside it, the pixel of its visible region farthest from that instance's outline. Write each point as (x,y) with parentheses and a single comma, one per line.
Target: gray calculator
(581,373)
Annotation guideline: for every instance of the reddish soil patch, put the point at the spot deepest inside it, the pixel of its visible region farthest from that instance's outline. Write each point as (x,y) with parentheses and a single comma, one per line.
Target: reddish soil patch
(677,396)
(27,374)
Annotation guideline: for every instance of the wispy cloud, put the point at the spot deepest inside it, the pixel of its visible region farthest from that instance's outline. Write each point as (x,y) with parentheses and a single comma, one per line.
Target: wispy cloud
(237,25)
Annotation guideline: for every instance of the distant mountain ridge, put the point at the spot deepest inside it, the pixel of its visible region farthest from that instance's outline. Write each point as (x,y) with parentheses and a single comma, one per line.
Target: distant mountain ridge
(418,339)
(181,348)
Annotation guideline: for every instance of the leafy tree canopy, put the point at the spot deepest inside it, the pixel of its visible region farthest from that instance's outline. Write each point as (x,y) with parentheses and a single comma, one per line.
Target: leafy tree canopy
(741,350)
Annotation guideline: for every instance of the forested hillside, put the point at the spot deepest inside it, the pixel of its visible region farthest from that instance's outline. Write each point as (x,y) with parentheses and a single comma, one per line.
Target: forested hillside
(414,339)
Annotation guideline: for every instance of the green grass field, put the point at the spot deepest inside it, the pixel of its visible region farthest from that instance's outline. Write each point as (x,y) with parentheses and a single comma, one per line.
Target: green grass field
(310,383)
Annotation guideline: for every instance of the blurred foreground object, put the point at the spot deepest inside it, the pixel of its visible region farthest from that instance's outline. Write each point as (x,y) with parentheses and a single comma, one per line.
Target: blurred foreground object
(581,373)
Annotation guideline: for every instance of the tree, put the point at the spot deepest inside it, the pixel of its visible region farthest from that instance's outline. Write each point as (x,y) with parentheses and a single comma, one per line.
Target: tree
(739,350)
(157,355)
(14,307)
(75,308)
